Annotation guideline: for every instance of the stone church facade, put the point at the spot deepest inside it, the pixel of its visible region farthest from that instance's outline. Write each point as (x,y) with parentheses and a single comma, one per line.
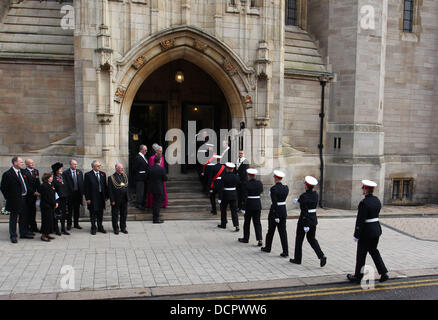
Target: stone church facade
(347,88)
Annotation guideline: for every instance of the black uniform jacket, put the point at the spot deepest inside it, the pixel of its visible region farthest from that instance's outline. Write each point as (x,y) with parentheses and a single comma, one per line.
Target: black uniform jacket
(11,189)
(279,193)
(118,195)
(60,186)
(253,188)
(91,190)
(212,173)
(156,177)
(47,196)
(369,208)
(308,201)
(229,180)
(68,180)
(141,168)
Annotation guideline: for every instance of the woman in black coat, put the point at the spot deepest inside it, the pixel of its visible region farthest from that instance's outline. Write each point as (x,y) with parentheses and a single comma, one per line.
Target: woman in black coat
(48,205)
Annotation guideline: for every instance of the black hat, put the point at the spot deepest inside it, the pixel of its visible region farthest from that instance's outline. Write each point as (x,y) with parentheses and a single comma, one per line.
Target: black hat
(56,166)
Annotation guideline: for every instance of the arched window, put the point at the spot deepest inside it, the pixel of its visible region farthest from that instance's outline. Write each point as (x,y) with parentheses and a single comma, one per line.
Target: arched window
(291,12)
(408,15)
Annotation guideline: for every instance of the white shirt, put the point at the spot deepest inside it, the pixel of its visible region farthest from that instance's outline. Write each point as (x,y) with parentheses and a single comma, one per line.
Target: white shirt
(16,172)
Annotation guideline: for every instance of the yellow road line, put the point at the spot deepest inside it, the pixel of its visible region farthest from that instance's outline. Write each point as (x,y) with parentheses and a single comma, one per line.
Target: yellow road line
(307,291)
(347,291)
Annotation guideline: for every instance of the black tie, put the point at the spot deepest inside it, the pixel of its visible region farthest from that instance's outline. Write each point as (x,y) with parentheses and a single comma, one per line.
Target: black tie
(23,186)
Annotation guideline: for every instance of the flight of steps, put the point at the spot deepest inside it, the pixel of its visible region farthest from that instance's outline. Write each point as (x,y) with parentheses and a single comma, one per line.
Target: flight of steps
(186,201)
(301,51)
(32,29)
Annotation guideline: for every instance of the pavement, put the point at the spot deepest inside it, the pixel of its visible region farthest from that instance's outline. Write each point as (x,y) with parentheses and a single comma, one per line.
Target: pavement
(194,256)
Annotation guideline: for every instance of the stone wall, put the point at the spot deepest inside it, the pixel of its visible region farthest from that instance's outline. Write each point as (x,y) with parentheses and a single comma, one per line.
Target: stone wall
(411,101)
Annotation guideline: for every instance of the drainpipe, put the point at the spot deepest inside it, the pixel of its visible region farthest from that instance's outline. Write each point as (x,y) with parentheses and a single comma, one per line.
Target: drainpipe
(323,83)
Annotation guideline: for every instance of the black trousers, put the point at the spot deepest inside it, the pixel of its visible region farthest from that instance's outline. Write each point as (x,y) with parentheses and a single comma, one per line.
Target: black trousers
(31,215)
(310,238)
(255,216)
(73,206)
(240,197)
(158,202)
(272,225)
(60,213)
(141,189)
(19,213)
(233,207)
(365,246)
(213,200)
(120,209)
(96,216)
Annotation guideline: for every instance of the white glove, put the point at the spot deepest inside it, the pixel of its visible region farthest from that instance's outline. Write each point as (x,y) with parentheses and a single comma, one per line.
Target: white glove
(243,211)
(355,239)
(295,200)
(219,201)
(202,173)
(306,229)
(211,191)
(277,220)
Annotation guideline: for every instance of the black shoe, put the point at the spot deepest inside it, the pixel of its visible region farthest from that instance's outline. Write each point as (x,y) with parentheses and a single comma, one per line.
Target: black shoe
(213,212)
(260,243)
(26,236)
(31,234)
(77,226)
(237,229)
(323,261)
(65,232)
(264,249)
(116,231)
(50,237)
(125,231)
(36,230)
(14,240)
(93,232)
(159,221)
(294,261)
(221,226)
(284,255)
(69,227)
(45,240)
(353,279)
(384,277)
(58,233)
(243,240)
(102,230)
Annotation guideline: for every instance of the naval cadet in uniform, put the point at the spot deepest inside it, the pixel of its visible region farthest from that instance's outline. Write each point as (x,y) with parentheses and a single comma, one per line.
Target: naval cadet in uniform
(214,178)
(228,195)
(241,167)
(118,194)
(252,207)
(367,233)
(277,214)
(307,222)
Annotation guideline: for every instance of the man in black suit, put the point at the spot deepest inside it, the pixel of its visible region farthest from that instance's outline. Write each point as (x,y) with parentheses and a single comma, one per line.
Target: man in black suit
(118,194)
(14,186)
(141,168)
(74,179)
(96,193)
(277,214)
(34,185)
(367,233)
(156,177)
(228,195)
(241,167)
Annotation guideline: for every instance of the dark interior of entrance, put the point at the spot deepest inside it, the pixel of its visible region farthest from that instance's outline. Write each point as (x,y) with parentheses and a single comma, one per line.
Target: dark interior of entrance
(171,96)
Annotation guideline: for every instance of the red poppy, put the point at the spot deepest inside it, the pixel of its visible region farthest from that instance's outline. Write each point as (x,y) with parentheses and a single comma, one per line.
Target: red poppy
(77,173)
(101,174)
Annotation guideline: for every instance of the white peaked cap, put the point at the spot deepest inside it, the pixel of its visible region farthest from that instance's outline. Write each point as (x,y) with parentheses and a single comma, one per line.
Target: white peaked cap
(369,183)
(209,145)
(279,174)
(202,150)
(311,180)
(217,156)
(230,165)
(252,171)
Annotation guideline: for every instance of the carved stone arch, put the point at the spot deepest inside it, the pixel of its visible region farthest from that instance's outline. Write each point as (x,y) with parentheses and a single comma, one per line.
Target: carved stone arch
(234,78)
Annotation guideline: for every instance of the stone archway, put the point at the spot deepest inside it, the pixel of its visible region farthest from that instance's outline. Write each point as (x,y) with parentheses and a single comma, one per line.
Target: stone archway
(236,80)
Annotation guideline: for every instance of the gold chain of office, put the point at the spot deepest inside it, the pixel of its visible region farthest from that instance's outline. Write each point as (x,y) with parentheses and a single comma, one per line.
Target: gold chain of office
(122,184)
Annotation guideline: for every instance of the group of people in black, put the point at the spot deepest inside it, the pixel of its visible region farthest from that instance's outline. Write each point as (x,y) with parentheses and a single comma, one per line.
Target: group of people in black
(236,186)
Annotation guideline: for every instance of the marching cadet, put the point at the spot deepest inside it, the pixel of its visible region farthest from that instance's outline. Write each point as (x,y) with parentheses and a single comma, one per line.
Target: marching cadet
(367,233)
(118,194)
(307,222)
(277,214)
(62,192)
(204,175)
(215,175)
(252,207)
(228,195)
(241,168)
